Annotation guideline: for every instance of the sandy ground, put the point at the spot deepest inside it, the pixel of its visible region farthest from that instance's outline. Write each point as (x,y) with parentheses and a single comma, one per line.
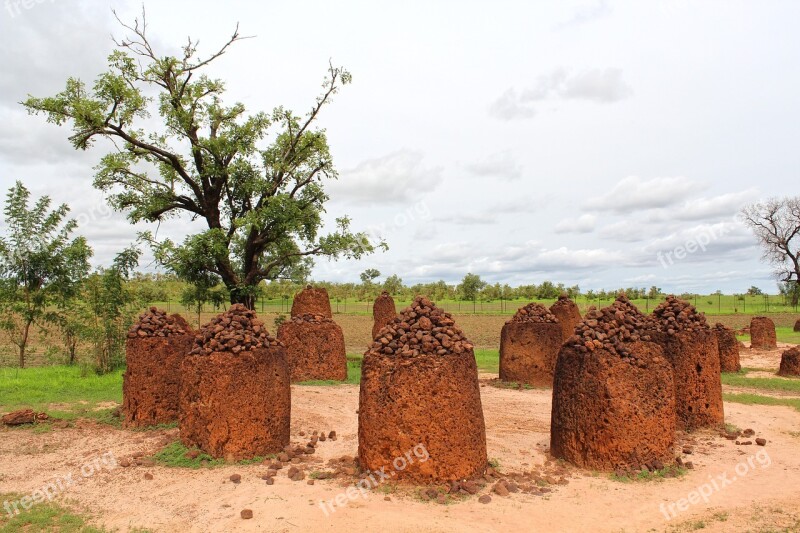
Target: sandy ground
(747,488)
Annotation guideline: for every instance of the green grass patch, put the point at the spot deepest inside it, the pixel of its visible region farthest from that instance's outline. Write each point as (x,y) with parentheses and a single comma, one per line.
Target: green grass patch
(353,374)
(37,387)
(672,471)
(756,399)
(739,379)
(47,516)
(488,360)
(787,334)
(174,456)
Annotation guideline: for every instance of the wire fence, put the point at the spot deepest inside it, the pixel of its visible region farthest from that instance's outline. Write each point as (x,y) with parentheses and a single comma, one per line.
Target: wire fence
(715,304)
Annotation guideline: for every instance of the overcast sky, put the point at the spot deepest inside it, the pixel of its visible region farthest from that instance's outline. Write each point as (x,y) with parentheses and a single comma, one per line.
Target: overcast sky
(585,142)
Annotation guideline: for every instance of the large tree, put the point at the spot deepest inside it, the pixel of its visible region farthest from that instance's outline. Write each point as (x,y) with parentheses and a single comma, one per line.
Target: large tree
(261,202)
(40,266)
(776,224)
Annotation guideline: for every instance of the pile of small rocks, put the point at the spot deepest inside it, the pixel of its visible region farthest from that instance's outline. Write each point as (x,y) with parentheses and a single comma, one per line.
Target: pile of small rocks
(421,329)
(675,315)
(534,312)
(236,330)
(156,323)
(611,328)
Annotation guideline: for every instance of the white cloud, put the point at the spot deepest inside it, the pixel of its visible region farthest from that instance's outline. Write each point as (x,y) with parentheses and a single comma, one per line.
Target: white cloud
(397,177)
(706,208)
(583,224)
(500,165)
(634,194)
(509,107)
(484,218)
(602,86)
(587,13)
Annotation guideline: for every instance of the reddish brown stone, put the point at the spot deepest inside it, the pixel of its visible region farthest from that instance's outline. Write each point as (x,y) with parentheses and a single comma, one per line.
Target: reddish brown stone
(383,312)
(728,348)
(314,348)
(154,350)
(691,347)
(528,352)
(797,325)
(762,334)
(613,394)
(790,362)
(23,416)
(235,403)
(529,345)
(312,301)
(421,400)
(183,323)
(567,313)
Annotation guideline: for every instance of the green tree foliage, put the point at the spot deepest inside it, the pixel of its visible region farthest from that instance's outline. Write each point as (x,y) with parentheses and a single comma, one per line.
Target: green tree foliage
(260,203)
(393,285)
(369,276)
(40,266)
(109,307)
(471,286)
(754,291)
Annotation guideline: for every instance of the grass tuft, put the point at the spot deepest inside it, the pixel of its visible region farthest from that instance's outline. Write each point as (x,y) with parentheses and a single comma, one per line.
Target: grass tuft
(671,471)
(174,456)
(43,517)
(757,399)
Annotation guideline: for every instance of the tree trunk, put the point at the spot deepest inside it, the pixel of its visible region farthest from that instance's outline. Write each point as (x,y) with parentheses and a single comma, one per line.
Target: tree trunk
(239,296)
(24,344)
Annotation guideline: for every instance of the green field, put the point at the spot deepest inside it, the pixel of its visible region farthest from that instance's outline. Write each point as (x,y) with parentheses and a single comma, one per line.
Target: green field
(725,304)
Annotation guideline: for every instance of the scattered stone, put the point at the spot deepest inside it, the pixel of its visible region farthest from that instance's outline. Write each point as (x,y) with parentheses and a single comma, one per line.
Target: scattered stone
(148,476)
(500,489)
(23,416)
(310,482)
(485,499)
(761,442)
(236,478)
(246,514)
(192,454)
(270,481)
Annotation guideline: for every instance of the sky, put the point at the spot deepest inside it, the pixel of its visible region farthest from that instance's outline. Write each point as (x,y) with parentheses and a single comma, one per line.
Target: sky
(600,143)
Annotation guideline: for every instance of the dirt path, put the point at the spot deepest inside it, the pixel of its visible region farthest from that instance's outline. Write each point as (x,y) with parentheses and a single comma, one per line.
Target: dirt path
(518,436)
